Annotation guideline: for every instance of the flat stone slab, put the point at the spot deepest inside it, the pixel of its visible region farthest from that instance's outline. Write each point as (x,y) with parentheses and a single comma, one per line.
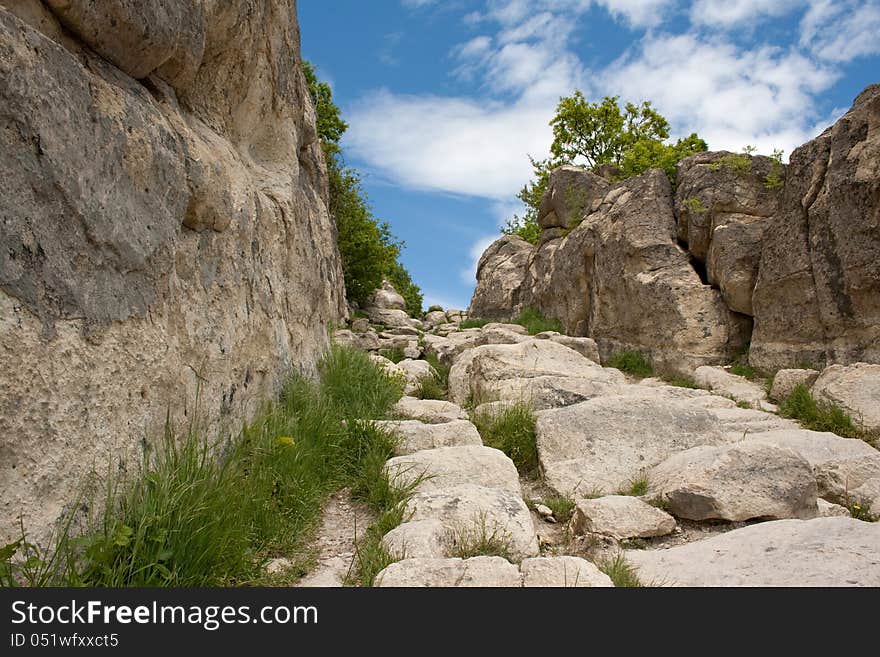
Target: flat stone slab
(744,481)
(620,517)
(416,435)
(431,411)
(475,572)
(468,509)
(562,572)
(422,539)
(820,552)
(719,380)
(445,467)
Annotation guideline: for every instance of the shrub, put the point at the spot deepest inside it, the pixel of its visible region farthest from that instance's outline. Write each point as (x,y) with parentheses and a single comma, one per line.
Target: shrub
(512,430)
(435,308)
(399,277)
(631,362)
(472,323)
(534,322)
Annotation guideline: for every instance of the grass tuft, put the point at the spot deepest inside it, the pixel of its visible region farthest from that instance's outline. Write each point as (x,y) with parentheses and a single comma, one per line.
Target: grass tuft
(632,362)
(473,323)
(480,540)
(682,382)
(561,506)
(394,354)
(534,322)
(512,430)
(621,573)
(812,414)
(636,488)
(429,387)
(862,511)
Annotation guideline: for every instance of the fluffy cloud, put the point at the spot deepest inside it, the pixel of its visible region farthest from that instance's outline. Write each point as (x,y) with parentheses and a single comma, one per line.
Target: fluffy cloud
(840,31)
(735,13)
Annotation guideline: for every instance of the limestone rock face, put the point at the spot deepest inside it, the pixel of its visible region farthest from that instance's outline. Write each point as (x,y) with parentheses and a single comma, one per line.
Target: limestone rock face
(723,203)
(165,229)
(736,482)
(816,295)
(501,272)
(855,388)
(573,193)
(819,552)
(620,277)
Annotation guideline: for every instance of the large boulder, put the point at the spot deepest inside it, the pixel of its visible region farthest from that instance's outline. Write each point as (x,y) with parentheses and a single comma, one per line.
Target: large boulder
(431,411)
(723,203)
(500,275)
(824,552)
(855,389)
(387,298)
(562,572)
(572,193)
(542,373)
(415,435)
(745,481)
(443,467)
(477,571)
(165,231)
(816,295)
(475,512)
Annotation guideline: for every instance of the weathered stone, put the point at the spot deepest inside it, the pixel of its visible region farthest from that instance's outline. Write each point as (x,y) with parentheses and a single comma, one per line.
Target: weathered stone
(564,571)
(423,539)
(719,380)
(826,509)
(586,347)
(821,552)
(474,511)
(387,298)
(391,317)
(723,203)
(620,516)
(815,299)
(867,496)
(855,388)
(542,373)
(360,325)
(416,436)
(786,381)
(434,318)
(389,368)
(572,193)
(738,482)
(449,347)
(364,341)
(477,571)
(445,467)
(500,272)
(415,371)
(161,244)
(840,465)
(602,445)
(431,411)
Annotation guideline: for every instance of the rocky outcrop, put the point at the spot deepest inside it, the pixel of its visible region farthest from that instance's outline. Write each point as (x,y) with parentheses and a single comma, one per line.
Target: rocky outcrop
(165,234)
(501,271)
(617,275)
(854,388)
(816,297)
(723,203)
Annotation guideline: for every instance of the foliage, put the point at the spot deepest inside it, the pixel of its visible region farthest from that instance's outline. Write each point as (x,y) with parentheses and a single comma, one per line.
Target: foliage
(774,179)
(633,138)
(631,362)
(399,277)
(473,322)
(480,540)
(435,308)
(394,354)
(429,387)
(621,573)
(209,513)
(512,430)
(534,322)
(695,205)
(369,252)
(812,414)
(637,487)
(739,163)
(682,382)
(862,511)
(561,506)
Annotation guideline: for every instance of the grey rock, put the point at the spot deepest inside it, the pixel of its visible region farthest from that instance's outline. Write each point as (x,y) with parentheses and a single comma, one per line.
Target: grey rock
(620,517)
(785,381)
(562,572)
(415,435)
(477,571)
(854,388)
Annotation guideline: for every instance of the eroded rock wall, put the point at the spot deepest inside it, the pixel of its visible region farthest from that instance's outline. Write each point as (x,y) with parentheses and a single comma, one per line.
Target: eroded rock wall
(164,233)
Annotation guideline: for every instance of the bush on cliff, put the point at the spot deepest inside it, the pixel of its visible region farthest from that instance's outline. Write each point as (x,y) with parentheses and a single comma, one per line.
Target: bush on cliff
(369,252)
(633,139)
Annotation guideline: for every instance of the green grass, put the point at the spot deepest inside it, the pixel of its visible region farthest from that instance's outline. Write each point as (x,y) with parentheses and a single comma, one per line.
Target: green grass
(429,387)
(632,362)
(745,371)
(473,323)
(812,414)
(210,513)
(441,369)
(512,430)
(621,573)
(480,540)
(395,354)
(534,322)
(561,506)
(636,488)
(682,382)
(661,503)
(862,511)
(743,404)
(434,309)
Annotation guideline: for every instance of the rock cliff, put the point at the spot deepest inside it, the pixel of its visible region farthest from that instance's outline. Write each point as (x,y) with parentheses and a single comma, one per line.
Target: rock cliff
(166,244)
(746,249)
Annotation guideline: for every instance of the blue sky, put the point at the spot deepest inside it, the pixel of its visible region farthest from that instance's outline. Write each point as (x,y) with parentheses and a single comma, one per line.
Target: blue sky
(445,99)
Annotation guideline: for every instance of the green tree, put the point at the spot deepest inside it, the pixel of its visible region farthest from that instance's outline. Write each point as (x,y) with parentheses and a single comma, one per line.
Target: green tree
(368,249)
(632,138)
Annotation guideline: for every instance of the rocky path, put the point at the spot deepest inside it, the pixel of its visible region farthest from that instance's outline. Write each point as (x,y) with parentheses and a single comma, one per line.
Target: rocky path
(687,486)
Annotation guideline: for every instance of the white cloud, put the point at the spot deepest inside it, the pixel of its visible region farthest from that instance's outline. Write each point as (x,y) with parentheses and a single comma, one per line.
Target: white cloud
(638,13)
(842,30)
(736,13)
(730,96)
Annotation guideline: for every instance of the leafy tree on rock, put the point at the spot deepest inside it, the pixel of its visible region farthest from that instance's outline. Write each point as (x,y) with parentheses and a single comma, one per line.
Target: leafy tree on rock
(632,138)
